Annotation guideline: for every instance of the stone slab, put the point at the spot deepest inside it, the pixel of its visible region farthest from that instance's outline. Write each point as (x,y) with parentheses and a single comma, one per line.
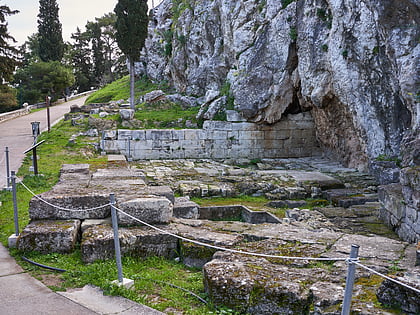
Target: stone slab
(59,236)
(80,206)
(98,243)
(153,210)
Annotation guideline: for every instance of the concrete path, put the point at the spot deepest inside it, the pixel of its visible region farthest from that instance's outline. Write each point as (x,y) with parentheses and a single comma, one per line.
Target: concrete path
(16,134)
(19,292)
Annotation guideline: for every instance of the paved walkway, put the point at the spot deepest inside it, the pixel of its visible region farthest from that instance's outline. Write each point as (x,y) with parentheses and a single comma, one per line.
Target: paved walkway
(19,292)
(16,134)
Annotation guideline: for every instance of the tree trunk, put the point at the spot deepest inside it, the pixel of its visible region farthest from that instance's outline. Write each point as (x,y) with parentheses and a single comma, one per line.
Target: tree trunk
(131,83)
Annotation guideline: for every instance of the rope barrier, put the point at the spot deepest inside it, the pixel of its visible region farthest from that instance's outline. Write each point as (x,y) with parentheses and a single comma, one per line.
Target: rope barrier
(386,277)
(61,208)
(227,249)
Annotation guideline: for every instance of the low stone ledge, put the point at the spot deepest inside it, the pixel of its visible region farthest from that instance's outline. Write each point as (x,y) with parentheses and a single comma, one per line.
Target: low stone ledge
(39,210)
(98,243)
(153,210)
(49,236)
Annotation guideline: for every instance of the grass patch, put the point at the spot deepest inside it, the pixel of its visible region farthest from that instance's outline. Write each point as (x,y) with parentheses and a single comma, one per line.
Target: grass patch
(165,114)
(120,90)
(243,200)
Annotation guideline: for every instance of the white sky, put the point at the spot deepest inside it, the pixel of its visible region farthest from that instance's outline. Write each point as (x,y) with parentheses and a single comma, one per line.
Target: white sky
(72,14)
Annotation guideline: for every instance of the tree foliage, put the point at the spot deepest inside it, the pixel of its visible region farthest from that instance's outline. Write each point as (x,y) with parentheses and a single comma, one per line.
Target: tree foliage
(9,60)
(50,35)
(43,78)
(81,61)
(131,26)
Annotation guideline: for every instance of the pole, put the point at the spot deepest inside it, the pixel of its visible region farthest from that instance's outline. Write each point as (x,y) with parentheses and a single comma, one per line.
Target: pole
(354,252)
(116,238)
(7,168)
(47,102)
(15,209)
(35,161)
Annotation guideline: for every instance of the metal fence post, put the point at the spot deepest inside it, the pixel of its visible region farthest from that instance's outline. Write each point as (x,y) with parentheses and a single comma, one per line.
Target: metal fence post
(116,238)
(354,252)
(15,209)
(7,168)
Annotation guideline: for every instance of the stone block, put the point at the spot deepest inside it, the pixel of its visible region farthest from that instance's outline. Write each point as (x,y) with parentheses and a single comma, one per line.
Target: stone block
(185,208)
(276,134)
(139,135)
(81,206)
(234,116)
(244,126)
(74,168)
(109,146)
(191,134)
(126,114)
(58,236)
(217,125)
(391,199)
(98,243)
(385,172)
(88,223)
(259,292)
(156,210)
(109,135)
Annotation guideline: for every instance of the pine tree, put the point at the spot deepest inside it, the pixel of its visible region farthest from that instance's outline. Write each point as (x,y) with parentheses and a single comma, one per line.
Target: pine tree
(51,44)
(131,26)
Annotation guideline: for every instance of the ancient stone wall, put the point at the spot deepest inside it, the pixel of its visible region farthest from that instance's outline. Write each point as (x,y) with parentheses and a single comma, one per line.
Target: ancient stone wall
(401,205)
(291,137)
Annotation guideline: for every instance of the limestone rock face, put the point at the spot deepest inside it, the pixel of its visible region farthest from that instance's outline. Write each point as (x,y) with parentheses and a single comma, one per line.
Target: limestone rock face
(353,64)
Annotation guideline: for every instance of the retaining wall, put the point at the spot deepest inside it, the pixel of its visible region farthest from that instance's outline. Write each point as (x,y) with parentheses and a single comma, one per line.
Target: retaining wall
(401,205)
(291,137)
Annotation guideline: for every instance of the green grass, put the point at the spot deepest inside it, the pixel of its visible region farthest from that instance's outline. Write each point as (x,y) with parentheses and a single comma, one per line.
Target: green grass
(151,277)
(54,152)
(161,114)
(120,90)
(164,114)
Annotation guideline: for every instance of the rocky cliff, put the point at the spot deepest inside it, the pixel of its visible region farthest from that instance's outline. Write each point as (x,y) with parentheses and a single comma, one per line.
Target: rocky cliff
(354,64)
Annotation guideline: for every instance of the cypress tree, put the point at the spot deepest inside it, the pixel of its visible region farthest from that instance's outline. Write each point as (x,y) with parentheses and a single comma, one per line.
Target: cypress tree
(51,44)
(131,26)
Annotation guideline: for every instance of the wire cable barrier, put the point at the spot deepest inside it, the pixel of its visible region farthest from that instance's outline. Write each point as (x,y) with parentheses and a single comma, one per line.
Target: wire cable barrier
(58,207)
(227,249)
(386,277)
(347,260)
